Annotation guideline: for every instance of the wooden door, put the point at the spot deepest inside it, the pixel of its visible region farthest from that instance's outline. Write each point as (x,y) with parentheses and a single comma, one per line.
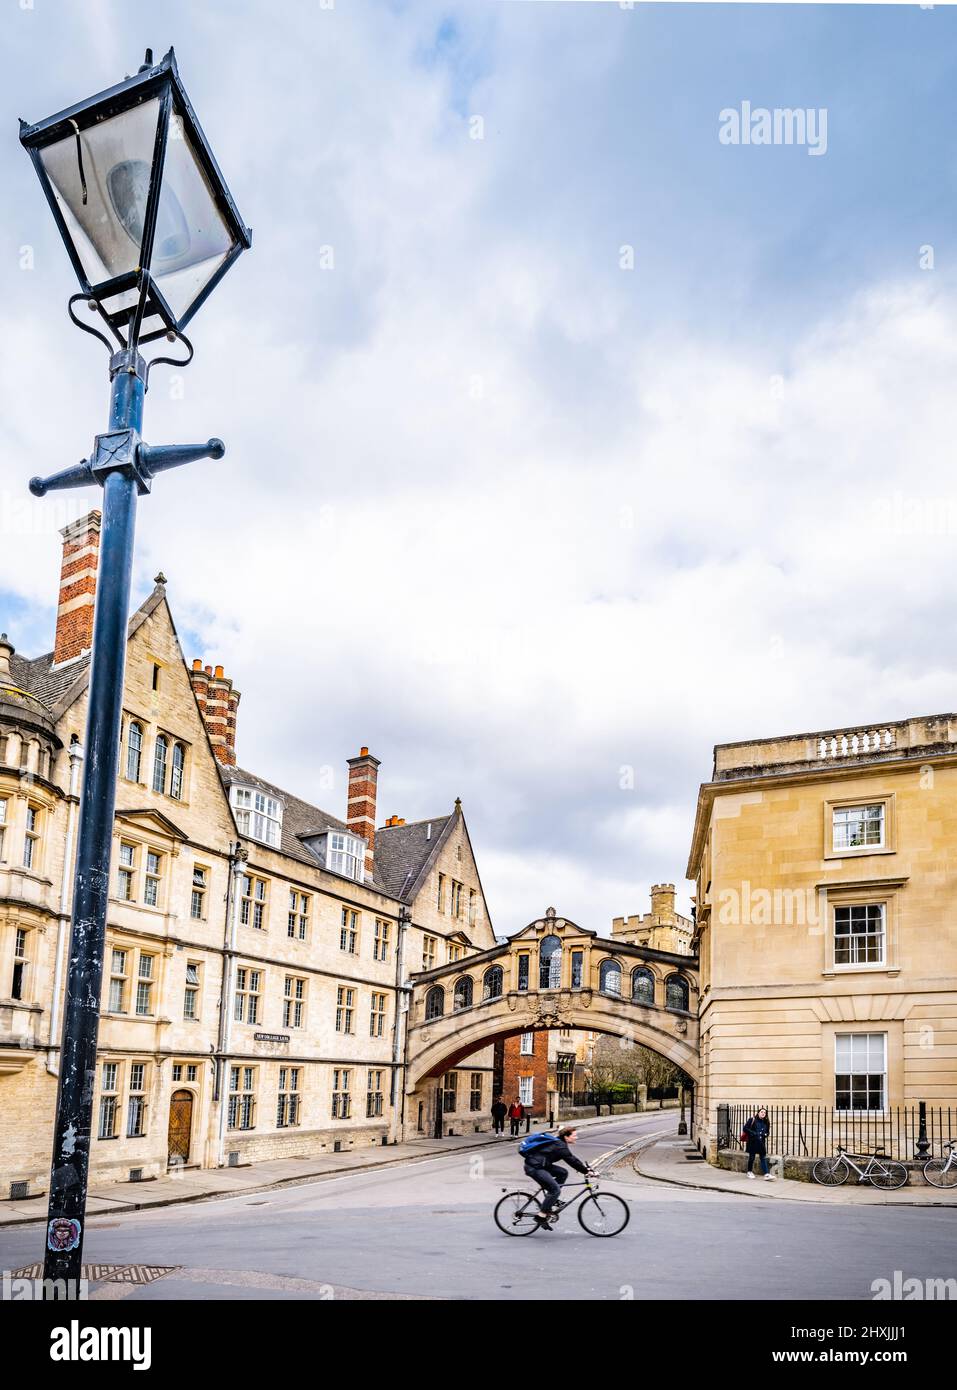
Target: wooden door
(180,1126)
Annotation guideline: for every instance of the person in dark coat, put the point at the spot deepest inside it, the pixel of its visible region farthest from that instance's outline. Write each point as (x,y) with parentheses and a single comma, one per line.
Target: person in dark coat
(499,1111)
(757,1130)
(516,1114)
(543,1165)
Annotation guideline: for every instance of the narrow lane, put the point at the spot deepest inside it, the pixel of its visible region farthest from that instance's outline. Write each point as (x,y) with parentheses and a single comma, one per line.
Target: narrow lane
(425,1229)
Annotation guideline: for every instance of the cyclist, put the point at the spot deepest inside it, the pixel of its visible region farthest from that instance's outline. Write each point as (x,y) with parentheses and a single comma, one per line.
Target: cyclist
(542,1164)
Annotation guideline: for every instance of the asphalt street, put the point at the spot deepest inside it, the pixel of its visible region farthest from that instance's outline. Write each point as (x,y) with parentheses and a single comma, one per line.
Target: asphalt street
(424,1229)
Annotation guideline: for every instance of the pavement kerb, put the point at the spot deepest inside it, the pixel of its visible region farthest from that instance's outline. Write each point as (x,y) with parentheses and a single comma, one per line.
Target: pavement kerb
(634,1146)
(487,1140)
(779,1194)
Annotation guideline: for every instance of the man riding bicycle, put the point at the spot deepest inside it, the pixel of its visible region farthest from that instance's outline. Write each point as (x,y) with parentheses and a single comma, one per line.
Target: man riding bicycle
(542,1163)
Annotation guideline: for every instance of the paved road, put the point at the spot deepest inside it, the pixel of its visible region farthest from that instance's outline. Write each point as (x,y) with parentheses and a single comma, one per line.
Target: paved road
(425,1230)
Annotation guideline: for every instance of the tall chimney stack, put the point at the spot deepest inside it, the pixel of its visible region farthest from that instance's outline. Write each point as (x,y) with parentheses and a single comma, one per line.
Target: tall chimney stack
(74,617)
(360,807)
(218,703)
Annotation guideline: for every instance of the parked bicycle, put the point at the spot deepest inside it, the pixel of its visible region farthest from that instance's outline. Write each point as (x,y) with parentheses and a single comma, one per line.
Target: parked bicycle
(880,1170)
(599,1213)
(942,1172)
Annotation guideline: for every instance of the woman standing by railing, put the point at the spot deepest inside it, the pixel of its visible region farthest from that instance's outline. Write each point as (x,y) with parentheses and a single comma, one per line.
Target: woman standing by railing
(755,1138)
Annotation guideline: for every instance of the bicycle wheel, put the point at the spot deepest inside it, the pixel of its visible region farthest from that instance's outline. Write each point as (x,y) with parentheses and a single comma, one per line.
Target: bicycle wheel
(830,1172)
(515,1213)
(887,1175)
(941,1172)
(603,1214)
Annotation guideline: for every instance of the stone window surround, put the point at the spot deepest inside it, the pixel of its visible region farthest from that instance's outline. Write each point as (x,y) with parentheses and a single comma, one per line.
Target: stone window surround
(134,947)
(124,1062)
(878,891)
(166,847)
(832,804)
(893,1057)
(150,734)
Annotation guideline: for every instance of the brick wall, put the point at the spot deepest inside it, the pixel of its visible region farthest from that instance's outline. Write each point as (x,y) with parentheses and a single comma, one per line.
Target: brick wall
(535,1065)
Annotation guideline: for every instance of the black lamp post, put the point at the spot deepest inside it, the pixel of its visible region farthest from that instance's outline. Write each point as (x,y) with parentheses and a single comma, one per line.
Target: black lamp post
(150,228)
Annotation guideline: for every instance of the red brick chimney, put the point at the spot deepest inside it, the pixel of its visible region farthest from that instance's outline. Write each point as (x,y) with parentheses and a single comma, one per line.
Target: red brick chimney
(360,807)
(74,616)
(218,703)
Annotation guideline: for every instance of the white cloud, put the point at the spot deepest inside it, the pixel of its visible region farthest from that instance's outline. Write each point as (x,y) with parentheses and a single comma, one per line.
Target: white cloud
(476,517)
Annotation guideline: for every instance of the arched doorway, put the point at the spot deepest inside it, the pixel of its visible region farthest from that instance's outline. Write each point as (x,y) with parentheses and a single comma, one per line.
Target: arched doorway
(180,1126)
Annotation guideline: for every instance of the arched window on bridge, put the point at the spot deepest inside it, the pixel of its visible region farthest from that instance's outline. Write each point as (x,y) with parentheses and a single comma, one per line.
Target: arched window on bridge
(492,983)
(435,1002)
(643,986)
(609,977)
(550,963)
(462,998)
(676,992)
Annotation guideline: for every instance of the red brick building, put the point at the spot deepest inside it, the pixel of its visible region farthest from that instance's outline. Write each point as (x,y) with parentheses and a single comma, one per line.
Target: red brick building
(521,1070)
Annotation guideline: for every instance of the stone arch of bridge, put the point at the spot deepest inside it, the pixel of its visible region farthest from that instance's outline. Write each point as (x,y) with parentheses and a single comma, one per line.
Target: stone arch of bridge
(538,986)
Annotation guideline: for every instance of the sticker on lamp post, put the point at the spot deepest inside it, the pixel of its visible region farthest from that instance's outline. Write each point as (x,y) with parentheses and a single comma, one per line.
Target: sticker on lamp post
(63,1233)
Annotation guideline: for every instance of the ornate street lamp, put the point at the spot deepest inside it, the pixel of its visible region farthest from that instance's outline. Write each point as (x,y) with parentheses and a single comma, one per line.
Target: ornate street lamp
(150,228)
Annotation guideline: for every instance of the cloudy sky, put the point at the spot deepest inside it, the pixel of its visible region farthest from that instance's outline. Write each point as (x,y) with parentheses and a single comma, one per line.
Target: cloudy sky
(598,442)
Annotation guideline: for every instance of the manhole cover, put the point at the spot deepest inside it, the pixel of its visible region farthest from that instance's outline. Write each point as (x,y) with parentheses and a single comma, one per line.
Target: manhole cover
(107,1274)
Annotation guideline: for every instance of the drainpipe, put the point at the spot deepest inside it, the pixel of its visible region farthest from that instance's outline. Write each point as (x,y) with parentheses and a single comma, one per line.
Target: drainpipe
(63,916)
(237,867)
(399,1028)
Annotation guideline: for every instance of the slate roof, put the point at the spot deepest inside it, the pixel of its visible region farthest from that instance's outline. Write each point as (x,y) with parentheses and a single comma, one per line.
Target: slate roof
(299,818)
(403,852)
(42,679)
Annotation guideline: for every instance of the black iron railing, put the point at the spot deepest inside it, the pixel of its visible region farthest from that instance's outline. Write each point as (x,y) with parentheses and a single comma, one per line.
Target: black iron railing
(813,1131)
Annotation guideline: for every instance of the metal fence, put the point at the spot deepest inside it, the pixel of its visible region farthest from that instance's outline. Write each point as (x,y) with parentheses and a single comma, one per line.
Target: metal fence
(576,1100)
(813,1131)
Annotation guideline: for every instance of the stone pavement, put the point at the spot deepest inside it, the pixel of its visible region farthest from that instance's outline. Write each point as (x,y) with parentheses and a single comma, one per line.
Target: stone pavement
(197,1184)
(665,1161)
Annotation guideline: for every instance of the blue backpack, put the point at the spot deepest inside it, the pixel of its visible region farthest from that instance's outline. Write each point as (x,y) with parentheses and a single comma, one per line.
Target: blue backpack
(532,1142)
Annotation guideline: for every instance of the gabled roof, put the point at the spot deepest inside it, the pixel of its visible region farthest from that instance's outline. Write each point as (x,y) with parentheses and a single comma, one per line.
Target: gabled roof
(549,924)
(404,854)
(57,687)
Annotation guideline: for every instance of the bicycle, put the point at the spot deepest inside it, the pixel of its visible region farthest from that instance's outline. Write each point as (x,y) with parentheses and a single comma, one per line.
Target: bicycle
(880,1171)
(600,1214)
(940,1172)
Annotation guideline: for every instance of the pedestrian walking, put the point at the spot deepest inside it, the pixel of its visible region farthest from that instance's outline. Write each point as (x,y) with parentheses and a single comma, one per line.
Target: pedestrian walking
(516,1114)
(499,1111)
(755,1134)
